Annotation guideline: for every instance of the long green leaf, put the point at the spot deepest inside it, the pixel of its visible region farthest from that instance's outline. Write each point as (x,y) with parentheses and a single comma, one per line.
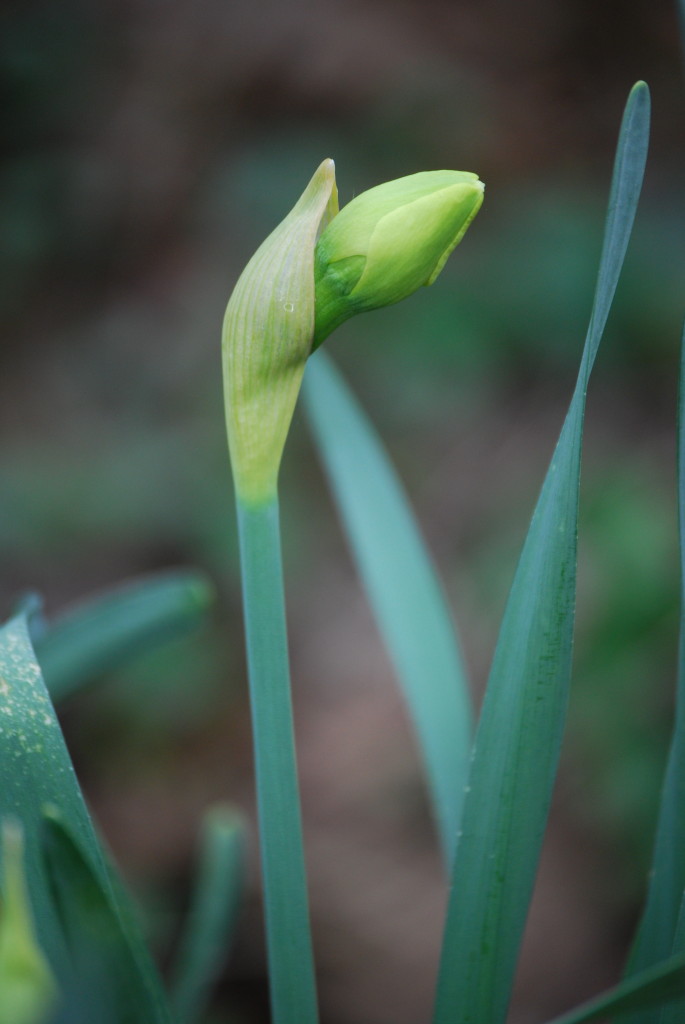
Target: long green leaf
(649,990)
(657,929)
(211,924)
(658,933)
(402,585)
(517,744)
(674,1013)
(105,631)
(35,773)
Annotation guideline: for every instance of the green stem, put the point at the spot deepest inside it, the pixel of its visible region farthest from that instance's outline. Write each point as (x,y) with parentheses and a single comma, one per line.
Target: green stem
(289,946)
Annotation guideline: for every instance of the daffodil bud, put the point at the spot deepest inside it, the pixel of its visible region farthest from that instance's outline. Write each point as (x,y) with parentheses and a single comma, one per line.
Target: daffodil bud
(27,987)
(267,337)
(389,241)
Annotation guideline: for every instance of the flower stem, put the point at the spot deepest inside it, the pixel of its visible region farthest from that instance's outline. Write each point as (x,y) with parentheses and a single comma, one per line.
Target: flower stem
(289,946)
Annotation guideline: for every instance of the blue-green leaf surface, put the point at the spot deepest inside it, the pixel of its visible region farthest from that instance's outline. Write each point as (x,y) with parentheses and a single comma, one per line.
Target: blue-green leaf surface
(208,936)
(105,981)
(105,631)
(656,936)
(674,1013)
(517,744)
(402,585)
(36,773)
(662,985)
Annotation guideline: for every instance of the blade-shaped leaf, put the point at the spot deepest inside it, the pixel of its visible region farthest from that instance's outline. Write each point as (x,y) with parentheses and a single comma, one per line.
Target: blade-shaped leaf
(105,982)
(517,744)
(35,773)
(674,1013)
(402,585)
(103,632)
(214,911)
(656,934)
(649,990)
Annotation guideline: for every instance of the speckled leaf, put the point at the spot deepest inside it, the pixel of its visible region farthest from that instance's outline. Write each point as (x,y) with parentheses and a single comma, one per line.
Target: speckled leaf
(36,774)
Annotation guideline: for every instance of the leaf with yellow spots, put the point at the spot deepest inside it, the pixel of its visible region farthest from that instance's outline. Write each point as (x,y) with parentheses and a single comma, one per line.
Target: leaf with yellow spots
(37,779)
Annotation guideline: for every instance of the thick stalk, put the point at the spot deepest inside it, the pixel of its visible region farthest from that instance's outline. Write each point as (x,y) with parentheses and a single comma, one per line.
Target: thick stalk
(289,946)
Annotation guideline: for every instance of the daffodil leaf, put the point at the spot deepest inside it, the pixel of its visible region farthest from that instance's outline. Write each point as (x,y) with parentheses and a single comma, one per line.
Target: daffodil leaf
(218,893)
(647,991)
(517,744)
(104,632)
(402,586)
(36,776)
(657,935)
(107,970)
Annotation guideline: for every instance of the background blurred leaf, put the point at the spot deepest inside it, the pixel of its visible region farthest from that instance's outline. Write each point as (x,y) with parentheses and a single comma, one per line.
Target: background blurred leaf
(402,586)
(657,930)
(647,990)
(27,986)
(107,979)
(218,892)
(104,632)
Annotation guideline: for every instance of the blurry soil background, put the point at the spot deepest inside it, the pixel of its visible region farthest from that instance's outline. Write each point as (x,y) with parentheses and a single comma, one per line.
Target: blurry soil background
(147,149)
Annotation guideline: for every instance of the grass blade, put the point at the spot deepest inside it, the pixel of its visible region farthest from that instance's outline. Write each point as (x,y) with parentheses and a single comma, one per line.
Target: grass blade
(214,912)
(657,930)
(104,632)
(289,944)
(517,744)
(650,989)
(402,585)
(35,773)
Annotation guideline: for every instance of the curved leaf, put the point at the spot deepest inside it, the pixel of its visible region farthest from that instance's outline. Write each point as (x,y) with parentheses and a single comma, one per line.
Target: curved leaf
(36,773)
(105,631)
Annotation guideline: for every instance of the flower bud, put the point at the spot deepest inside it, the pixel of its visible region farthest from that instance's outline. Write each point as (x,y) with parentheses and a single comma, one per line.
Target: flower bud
(389,241)
(267,337)
(27,987)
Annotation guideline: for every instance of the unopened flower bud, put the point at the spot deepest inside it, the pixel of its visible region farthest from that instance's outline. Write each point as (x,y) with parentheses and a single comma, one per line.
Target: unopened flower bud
(389,241)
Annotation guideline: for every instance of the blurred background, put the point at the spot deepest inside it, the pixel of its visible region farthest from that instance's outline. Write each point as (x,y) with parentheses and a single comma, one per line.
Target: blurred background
(147,149)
